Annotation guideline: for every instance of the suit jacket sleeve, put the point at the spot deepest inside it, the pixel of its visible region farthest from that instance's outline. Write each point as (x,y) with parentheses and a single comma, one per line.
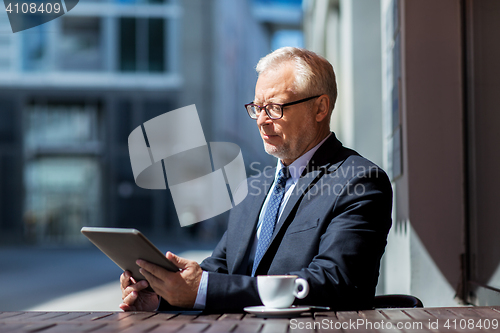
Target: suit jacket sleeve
(217,261)
(227,292)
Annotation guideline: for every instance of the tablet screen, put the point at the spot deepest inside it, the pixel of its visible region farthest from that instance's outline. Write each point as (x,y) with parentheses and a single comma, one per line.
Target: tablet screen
(124,246)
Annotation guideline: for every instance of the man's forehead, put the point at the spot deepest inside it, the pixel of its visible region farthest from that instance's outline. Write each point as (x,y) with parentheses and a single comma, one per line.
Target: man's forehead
(274,98)
(275,85)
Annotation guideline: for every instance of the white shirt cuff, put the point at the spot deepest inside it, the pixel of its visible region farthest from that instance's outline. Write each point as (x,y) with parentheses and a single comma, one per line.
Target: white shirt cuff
(201,297)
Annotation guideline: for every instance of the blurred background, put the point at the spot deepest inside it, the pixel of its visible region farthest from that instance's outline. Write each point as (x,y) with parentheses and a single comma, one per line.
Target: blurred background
(418,82)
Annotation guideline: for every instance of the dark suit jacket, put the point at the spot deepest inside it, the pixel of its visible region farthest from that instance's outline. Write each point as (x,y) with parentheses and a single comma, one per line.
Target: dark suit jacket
(332,233)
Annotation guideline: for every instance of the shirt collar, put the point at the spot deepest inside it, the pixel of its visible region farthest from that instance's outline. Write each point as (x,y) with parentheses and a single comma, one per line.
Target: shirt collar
(298,166)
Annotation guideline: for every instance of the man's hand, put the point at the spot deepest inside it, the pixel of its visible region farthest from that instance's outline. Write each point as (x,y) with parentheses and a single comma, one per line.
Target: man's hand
(134,297)
(178,288)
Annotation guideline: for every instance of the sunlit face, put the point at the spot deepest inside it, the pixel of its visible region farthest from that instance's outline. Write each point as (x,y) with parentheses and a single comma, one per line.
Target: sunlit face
(291,136)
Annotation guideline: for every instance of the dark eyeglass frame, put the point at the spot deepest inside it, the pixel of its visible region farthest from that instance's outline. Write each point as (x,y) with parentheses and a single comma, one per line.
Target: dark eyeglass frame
(250,105)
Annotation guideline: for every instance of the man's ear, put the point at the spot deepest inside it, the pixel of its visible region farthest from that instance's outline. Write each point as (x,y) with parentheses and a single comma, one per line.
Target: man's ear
(323,105)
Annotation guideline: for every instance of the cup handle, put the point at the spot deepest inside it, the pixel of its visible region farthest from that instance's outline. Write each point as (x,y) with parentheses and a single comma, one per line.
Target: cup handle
(305,288)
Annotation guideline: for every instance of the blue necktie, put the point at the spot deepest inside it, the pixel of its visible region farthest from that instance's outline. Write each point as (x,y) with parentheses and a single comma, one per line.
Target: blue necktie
(270,217)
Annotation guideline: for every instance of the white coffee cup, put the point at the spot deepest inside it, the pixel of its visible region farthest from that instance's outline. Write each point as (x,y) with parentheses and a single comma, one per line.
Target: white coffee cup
(279,291)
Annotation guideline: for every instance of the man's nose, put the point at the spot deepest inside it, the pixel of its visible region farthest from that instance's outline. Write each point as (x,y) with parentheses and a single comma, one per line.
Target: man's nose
(263,118)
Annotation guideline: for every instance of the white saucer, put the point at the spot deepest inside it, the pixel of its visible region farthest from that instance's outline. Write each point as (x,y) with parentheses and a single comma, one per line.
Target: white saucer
(262,311)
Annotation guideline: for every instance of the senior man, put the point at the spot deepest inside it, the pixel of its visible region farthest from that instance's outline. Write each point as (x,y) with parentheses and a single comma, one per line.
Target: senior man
(323,215)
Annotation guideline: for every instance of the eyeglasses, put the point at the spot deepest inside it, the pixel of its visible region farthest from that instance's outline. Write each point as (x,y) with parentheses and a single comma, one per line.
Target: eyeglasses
(274,110)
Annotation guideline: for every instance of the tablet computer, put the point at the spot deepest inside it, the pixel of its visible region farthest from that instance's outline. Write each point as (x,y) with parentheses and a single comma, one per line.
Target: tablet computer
(124,246)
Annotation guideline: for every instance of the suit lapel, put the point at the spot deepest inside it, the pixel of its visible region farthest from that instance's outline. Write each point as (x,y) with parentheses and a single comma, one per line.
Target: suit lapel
(315,169)
(300,188)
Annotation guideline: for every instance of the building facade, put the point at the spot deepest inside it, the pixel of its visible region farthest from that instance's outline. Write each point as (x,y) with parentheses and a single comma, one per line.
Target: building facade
(72,90)
(417,94)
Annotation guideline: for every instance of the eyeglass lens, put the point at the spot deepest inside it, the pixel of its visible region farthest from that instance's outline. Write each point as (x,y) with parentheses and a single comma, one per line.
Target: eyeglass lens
(273,111)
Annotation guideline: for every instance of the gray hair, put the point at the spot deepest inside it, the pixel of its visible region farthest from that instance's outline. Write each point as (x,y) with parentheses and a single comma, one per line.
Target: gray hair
(314,75)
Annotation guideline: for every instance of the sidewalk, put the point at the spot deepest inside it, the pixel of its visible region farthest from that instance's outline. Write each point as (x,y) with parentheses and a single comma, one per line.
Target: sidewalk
(106,297)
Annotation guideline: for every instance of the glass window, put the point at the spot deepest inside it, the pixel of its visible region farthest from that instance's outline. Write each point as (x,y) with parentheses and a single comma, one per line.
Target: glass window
(7,115)
(62,196)
(142,44)
(62,179)
(34,43)
(154,108)
(156,45)
(123,122)
(128,53)
(56,125)
(80,44)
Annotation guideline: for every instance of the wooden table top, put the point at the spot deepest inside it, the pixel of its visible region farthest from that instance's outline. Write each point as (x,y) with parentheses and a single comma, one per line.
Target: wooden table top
(450,319)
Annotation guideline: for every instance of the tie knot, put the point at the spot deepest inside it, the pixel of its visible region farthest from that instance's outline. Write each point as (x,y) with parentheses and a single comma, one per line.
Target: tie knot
(283,175)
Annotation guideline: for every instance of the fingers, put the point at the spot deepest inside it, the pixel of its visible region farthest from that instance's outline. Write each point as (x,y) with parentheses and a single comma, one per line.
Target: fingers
(178,288)
(144,301)
(128,302)
(180,262)
(134,295)
(152,269)
(126,307)
(124,282)
(131,298)
(152,279)
(136,287)
(125,279)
